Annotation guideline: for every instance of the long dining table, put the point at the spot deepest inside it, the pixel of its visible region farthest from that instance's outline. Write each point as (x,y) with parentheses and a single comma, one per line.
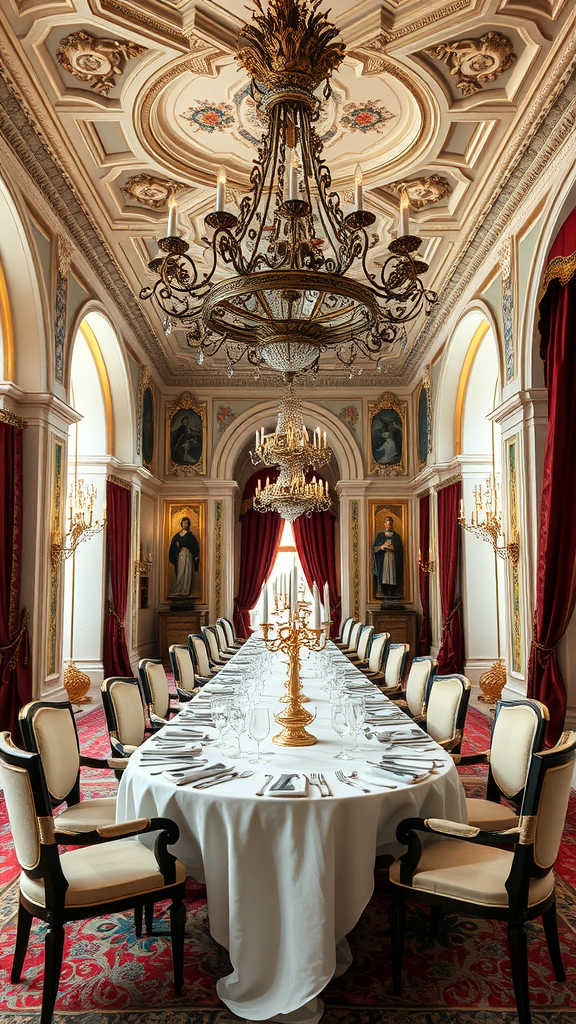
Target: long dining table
(287,878)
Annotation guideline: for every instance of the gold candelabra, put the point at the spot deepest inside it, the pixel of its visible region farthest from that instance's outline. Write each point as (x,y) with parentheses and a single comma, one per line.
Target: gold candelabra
(428,566)
(143,565)
(486,521)
(81,524)
(289,637)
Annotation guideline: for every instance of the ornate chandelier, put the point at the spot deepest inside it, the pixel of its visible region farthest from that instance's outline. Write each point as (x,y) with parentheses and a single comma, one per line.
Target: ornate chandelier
(289,447)
(290,296)
(291,496)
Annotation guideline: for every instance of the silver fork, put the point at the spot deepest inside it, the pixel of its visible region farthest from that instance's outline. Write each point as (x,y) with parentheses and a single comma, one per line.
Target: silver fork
(315,781)
(349,782)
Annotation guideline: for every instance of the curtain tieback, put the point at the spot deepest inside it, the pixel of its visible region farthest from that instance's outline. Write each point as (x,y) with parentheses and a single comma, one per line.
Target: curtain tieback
(14,644)
(455,609)
(115,616)
(545,649)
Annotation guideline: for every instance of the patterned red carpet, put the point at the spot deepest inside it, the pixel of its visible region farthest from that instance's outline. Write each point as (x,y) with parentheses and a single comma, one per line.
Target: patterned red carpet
(461,977)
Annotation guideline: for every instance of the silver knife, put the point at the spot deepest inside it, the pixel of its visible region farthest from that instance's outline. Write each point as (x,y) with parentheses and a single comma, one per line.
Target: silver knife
(324,785)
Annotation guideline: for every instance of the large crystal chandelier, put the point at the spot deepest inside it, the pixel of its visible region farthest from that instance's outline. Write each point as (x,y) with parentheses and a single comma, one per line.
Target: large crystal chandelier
(277,288)
(292,496)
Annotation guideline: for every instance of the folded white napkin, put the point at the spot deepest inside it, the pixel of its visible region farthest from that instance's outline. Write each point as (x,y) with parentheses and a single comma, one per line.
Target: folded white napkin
(297,784)
(195,774)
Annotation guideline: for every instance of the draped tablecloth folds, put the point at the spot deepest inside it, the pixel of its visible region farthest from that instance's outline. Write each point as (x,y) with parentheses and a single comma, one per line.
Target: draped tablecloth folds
(286,880)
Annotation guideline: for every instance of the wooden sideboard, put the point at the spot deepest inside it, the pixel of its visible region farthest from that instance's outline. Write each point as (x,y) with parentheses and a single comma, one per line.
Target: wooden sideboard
(174,627)
(399,622)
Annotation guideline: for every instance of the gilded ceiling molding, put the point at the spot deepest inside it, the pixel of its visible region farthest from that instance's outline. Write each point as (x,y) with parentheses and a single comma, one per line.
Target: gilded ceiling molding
(389,36)
(96,61)
(65,254)
(136,14)
(475,61)
(374,64)
(423,192)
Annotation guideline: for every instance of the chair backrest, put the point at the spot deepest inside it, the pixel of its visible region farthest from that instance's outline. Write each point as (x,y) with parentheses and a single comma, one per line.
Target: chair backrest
(396,664)
(378,652)
(199,654)
(354,637)
(182,667)
(543,816)
(364,641)
(50,731)
(230,631)
(221,636)
(155,689)
(445,704)
(209,634)
(421,671)
(519,729)
(345,630)
(30,814)
(124,710)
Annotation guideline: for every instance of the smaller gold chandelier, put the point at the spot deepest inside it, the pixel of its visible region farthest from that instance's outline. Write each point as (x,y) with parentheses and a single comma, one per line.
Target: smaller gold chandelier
(291,496)
(486,521)
(289,447)
(81,525)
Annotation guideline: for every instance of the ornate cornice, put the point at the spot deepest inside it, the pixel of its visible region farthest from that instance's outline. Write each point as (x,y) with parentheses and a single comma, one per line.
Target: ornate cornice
(390,36)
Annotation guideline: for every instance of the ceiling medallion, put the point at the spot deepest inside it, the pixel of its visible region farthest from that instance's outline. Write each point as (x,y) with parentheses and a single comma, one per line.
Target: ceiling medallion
(476,61)
(423,192)
(287,295)
(151,191)
(97,61)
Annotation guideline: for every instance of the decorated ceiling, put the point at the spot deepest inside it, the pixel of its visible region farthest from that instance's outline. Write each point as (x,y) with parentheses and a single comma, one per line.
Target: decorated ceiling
(138,101)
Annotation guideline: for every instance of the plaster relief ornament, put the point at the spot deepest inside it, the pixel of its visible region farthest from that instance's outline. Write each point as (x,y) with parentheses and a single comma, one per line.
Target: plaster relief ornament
(97,61)
(152,191)
(423,192)
(210,117)
(365,117)
(476,61)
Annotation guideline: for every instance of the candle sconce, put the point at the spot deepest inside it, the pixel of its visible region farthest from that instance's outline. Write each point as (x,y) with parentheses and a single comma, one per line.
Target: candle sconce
(427,567)
(486,522)
(81,524)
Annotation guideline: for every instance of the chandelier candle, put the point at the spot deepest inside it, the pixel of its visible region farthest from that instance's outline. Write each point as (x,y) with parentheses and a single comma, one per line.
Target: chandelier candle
(221,190)
(358,189)
(172,214)
(404,214)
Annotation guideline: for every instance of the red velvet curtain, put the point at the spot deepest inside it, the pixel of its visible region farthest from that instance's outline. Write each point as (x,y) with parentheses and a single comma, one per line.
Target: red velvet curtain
(451,653)
(15,668)
(118,502)
(259,542)
(424,577)
(555,584)
(314,537)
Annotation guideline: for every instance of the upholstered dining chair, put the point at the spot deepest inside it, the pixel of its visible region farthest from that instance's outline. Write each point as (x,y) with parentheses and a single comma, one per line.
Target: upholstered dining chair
(444,710)
(353,639)
(183,671)
(200,660)
(49,730)
(124,711)
(467,871)
(228,626)
(363,650)
(109,873)
(217,657)
(379,648)
(342,641)
(222,639)
(155,691)
(411,699)
(394,669)
(519,729)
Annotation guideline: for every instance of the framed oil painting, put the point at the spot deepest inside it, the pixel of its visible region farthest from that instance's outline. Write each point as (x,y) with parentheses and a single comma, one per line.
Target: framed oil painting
(186,437)
(387,436)
(146,417)
(184,553)
(424,419)
(388,547)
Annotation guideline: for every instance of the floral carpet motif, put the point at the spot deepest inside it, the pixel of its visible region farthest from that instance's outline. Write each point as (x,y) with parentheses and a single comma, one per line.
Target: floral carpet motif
(461,977)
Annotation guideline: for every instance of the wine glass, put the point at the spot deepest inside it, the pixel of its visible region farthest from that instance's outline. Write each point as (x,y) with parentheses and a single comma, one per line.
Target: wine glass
(258,729)
(341,726)
(219,712)
(356,717)
(237,722)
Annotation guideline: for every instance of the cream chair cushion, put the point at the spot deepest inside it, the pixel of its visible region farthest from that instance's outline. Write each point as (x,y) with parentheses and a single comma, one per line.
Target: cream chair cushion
(376,652)
(159,688)
(490,816)
(464,871)
(99,874)
(202,657)
(353,642)
(22,814)
(393,664)
(87,815)
(416,684)
(129,712)
(187,679)
(443,707)
(57,745)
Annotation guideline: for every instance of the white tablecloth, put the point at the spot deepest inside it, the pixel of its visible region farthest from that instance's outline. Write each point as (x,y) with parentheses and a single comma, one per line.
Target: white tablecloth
(286,879)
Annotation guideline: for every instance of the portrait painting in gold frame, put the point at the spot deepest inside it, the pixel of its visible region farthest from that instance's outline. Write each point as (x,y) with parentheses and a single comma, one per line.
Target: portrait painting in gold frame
(184,553)
(388,550)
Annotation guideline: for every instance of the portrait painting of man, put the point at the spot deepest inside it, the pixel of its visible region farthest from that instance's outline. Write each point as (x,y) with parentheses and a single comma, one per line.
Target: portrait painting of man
(184,566)
(387,542)
(387,436)
(186,437)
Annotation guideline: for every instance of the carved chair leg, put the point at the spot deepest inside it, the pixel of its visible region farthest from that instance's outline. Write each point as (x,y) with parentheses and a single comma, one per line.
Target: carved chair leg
(148,917)
(177,928)
(518,946)
(397,918)
(138,921)
(550,922)
(53,948)
(22,936)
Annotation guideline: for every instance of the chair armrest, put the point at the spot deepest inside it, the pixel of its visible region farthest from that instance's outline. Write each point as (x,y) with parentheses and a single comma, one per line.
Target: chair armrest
(407,834)
(463,759)
(108,764)
(121,830)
